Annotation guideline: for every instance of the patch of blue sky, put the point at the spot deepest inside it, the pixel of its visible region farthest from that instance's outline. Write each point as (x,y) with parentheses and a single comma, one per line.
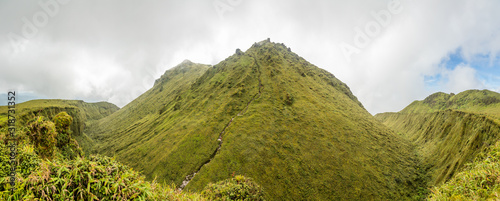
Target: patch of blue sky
(487,68)
(453,60)
(434,83)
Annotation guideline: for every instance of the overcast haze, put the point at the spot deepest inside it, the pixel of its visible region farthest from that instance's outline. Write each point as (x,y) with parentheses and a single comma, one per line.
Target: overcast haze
(388,52)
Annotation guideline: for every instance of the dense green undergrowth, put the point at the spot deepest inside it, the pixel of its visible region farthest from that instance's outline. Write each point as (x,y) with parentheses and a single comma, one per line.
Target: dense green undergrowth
(81,112)
(51,166)
(480,180)
(95,178)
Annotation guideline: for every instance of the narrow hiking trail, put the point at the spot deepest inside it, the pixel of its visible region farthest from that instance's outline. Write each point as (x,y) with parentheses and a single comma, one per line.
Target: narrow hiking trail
(188,178)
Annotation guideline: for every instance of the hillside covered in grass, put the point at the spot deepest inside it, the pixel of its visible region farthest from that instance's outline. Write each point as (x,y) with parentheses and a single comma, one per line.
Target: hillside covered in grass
(81,112)
(475,101)
(292,129)
(479,180)
(265,113)
(51,166)
(449,130)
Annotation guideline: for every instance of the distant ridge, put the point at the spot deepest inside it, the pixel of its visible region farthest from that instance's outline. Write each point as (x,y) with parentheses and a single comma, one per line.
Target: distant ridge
(450,130)
(82,112)
(21,97)
(477,101)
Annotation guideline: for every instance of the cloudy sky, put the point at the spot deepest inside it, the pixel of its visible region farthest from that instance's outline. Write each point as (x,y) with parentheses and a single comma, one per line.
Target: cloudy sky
(388,52)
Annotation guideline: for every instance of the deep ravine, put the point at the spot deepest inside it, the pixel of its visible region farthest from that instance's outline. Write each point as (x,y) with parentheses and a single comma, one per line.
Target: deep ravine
(189,177)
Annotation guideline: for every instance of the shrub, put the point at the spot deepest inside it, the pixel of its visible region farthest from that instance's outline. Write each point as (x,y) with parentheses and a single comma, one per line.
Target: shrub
(28,162)
(42,133)
(4,160)
(63,122)
(237,188)
(95,178)
(67,146)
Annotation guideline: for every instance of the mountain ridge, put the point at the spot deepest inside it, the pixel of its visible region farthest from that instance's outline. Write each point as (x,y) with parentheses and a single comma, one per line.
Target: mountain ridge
(450,130)
(477,101)
(293,127)
(80,110)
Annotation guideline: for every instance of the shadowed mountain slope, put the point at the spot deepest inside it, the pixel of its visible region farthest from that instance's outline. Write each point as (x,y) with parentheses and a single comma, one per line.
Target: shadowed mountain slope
(265,113)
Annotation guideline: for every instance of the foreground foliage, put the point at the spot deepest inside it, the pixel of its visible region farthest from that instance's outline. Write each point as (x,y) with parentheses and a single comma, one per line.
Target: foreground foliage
(480,180)
(95,178)
(103,178)
(51,167)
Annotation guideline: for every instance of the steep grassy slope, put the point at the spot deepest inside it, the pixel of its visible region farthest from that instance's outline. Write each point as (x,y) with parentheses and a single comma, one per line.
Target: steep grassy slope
(265,113)
(450,130)
(305,136)
(480,180)
(137,121)
(446,139)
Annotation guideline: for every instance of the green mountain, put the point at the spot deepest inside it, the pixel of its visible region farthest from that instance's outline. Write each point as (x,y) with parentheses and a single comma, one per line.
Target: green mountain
(476,101)
(449,130)
(263,123)
(265,113)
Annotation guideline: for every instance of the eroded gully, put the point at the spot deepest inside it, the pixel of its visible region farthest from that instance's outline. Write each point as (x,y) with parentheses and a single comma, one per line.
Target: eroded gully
(189,177)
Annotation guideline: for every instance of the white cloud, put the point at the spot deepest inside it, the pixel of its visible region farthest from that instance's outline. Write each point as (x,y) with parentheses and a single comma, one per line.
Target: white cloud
(114,50)
(462,78)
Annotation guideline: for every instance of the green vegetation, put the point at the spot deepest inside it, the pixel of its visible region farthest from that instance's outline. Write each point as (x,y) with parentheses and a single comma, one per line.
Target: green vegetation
(42,133)
(28,161)
(96,178)
(83,115)
(81,112)
(51,107)
(474,101)
(237,188)
(450,131)
(45,172)
(480,180)
(291,126)
(446,139)
(294,130)
(68,146)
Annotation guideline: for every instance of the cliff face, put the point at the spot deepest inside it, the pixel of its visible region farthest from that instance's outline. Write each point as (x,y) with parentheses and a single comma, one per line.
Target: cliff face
(450,130)
(446,140)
